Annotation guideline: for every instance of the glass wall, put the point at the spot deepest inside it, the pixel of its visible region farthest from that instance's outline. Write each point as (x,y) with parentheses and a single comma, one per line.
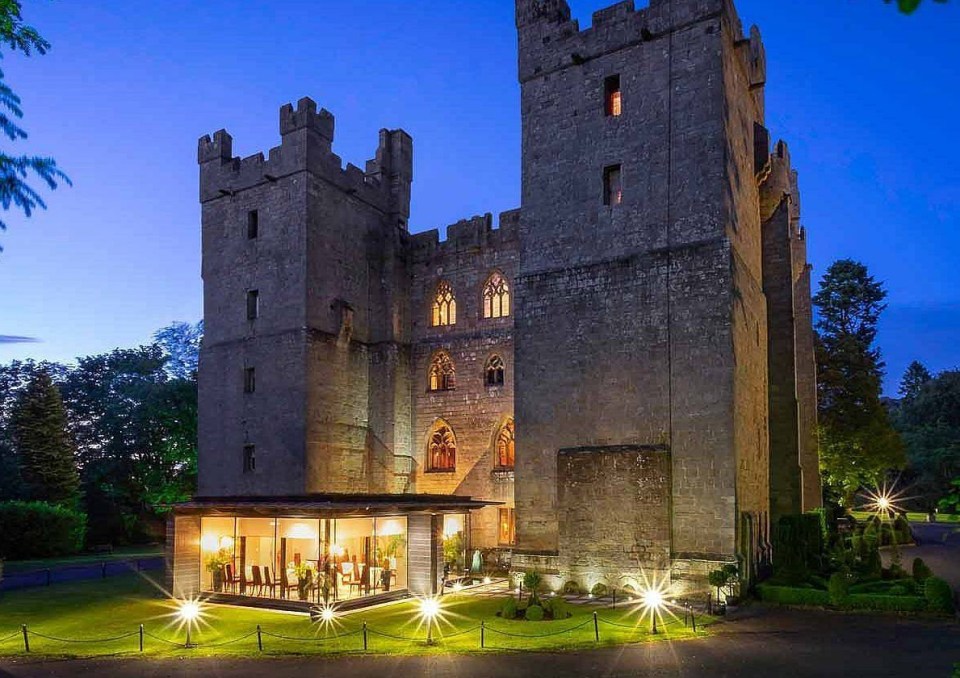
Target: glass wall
(309,559)
(454,545)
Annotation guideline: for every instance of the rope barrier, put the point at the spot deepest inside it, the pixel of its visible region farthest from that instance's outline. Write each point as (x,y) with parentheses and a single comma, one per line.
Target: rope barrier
(227,642)
(539,635)
(388,635)
(16,634)
(84,640)
(308,640)
(162,640)
(459,633)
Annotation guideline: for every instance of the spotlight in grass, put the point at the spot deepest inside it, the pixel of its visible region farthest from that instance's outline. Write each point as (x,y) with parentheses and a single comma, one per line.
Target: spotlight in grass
(654,600)
(189,614)
(884,502)
(429,612)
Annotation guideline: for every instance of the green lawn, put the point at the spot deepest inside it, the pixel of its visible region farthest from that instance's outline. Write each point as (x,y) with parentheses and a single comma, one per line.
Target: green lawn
(115,607)
(123,553)
(913,517)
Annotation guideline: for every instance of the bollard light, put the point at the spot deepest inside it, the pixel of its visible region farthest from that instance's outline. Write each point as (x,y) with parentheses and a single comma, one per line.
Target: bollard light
(429,611)
(653,600)
(189,614)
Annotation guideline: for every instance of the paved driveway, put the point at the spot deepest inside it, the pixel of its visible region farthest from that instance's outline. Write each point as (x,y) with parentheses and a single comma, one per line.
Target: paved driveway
(770,642)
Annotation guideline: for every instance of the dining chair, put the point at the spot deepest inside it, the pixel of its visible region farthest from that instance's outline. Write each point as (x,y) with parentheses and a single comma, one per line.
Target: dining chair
(257,581)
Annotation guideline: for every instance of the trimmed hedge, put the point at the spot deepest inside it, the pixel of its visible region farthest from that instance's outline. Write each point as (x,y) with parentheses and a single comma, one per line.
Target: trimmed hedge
(938,594)
(788,595)
(534,613)
(35,529)
(874,601)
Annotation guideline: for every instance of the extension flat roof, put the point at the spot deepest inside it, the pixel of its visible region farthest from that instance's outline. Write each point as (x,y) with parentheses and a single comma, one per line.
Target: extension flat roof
(326,504)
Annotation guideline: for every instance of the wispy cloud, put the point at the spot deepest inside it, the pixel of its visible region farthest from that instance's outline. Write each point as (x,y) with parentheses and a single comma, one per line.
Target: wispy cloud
(13,339)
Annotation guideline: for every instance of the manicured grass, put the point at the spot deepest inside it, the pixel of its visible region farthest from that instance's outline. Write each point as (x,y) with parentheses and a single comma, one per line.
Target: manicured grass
(123,553)
(110,608)
(913,517)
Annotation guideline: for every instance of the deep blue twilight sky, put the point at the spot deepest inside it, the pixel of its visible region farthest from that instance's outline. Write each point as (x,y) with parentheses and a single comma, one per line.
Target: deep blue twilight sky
(867,98)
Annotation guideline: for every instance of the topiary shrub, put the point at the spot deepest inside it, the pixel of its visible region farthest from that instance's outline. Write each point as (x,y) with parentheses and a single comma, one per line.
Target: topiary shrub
(571,588)
(839,588)
(558,608)
(509,609)
(882,603)
(35,529)
(532,581)
(920,571)
(599,590)
(535,613)
(939,595)
(788,595)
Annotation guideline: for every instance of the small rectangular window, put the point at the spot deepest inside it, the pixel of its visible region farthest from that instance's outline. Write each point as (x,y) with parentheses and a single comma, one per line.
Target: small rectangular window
(249,380)
(507,532)
(253,304)
(253,224)
(612,96)
(249,458)
(612,185)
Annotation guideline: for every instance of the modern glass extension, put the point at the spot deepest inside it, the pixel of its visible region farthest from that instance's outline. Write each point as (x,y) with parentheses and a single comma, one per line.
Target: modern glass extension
(315,552)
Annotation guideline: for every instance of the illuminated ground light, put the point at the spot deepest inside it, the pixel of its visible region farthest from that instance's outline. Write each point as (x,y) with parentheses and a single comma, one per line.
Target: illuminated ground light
(430,612)
(326,616)
(885,501)
(188,615)
(654,601)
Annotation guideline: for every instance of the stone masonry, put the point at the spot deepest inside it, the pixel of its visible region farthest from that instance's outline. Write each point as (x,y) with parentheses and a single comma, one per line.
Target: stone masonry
(658,350)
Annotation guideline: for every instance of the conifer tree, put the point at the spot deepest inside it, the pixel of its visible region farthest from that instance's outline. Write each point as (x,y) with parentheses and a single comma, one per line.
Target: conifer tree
(43,443)
(914,379)
(858,443)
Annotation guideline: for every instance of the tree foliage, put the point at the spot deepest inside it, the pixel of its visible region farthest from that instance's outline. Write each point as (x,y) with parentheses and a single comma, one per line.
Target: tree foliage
(858,442)
(134,422)
(42,442)
(15,170)
(914,379)
(909,6)
(929,420)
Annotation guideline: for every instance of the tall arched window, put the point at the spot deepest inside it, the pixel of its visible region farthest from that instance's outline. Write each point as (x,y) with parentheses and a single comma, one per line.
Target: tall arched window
(496,297)
(444,305)
(442,448)
(505,458)
(443,376)
(494,371)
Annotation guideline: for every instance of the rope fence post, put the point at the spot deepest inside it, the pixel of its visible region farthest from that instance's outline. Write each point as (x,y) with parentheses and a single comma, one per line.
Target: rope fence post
(596,628)
(364,636)
(141,637)
(26,638)
(259,638)
(693,616)
(483,628)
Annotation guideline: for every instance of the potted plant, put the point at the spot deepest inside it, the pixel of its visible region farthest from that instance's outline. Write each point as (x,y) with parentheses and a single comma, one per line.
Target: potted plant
(214,565)
(304,575)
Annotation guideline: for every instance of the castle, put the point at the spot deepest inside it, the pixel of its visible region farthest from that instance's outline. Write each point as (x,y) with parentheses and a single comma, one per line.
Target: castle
(618,380)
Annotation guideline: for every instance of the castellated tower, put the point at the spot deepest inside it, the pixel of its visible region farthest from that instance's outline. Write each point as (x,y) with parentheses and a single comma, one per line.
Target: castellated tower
(642,322)
(304,376)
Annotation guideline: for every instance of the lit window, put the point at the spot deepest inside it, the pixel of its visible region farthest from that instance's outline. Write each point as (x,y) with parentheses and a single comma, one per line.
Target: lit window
(444,306)
(443,376)
(612,185)
(249,380)
(253,224)
(494,371)
(442,448)
(249,458)
(505,457)
(612,96)
(507,532)
(253,304)
(496,297)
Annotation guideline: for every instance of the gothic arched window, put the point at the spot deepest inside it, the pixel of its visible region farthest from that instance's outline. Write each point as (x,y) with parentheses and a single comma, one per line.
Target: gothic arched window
(494,371)
(505,457)
(442,448)
(496,297)
(443,375)
(444,305)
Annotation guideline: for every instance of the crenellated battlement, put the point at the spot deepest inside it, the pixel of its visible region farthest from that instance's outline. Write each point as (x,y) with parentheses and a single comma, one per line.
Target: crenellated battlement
(306,146)
(550,39)
(475,233)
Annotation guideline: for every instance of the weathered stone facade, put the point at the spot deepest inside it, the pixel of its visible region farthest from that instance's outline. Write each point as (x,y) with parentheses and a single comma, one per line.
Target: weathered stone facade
(657,352)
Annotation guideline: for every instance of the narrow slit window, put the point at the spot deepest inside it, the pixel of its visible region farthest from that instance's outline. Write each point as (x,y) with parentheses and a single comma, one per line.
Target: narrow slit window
(612,185)
(253,304)
(249,380)
(253,225)
(249,458)
(613,97)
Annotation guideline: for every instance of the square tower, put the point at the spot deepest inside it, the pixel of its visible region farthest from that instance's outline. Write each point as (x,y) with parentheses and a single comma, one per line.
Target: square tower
(641,387)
